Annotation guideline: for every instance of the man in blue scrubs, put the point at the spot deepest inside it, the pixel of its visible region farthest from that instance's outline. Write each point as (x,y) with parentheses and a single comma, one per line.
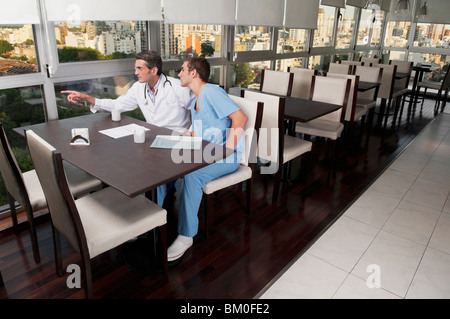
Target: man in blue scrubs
(216,118)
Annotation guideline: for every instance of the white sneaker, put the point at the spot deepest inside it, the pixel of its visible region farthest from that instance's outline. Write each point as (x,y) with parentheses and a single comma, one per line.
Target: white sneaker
(177,250)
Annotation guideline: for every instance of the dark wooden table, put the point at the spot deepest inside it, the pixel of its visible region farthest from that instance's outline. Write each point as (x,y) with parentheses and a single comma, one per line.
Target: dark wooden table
(129,167)
(299,110)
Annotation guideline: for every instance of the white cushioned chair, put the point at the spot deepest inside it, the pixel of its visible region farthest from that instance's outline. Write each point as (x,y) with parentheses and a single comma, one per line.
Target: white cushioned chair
(274,147)
(370,61)
(301,86)
(254,112)
(276,82)
(442,89)
(95,223)
(329,90)
(26,189)
(340,68)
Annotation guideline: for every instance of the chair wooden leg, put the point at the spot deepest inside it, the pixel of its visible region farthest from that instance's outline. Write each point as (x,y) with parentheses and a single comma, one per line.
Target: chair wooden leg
(12,206)
(86,271)
(276,185)
(163,238)
(57,251)
(33,234)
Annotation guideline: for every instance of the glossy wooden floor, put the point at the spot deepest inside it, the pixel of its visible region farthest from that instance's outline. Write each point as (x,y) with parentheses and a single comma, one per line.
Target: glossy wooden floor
(243,254)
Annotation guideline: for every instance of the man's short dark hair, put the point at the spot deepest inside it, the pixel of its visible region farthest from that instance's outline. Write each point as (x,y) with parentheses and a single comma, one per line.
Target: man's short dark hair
(201,65)
(152,59)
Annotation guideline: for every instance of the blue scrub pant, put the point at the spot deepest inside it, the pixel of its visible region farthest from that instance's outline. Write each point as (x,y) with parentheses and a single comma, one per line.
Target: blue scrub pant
(192,193)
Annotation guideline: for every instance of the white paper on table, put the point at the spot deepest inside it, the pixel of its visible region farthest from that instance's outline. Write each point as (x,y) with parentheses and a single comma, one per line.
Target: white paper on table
(121,131)
(177,142)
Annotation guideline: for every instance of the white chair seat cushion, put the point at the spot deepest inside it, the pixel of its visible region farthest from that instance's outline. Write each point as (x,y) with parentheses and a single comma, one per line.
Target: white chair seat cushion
(34,189)
(367,104)
(294,147)
(243,173)
(430,85)
(323,128)
(360,112)
(80,182)
(111,218)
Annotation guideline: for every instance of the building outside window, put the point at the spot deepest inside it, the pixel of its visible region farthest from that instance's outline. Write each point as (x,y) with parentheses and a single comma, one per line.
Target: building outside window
(346,27)
(323,35)
(17,50)
(179,41)
(99,40)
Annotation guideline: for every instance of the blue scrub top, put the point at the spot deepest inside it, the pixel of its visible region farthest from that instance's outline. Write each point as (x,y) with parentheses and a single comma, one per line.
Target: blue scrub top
(212,121)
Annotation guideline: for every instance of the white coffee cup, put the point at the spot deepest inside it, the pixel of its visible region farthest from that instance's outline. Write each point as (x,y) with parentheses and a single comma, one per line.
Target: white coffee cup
(115,114)
(139,135)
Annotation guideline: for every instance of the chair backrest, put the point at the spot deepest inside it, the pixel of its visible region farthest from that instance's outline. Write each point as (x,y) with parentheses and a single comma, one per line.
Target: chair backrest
(301,86)
(351,62)
(368,74)
(271,133)
(370,61)
(254,112)
(276,82)
(387,81)
(446,82)
(331,90)
(340,68)
(12,175)
(402,67)
(351,104)
(49,168)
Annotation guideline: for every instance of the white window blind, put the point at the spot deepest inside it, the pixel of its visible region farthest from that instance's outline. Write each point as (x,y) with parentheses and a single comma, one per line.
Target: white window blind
(334,3)
(438,12)
(301,14)
(200,12)
(260,12)
(103,10)
(19,12)
(356,3)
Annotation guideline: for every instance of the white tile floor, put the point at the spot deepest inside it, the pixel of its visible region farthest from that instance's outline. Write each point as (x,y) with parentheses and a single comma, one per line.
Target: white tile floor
(393,242)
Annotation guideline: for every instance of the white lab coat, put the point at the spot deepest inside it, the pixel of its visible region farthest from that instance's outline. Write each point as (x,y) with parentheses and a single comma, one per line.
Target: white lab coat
(171,108)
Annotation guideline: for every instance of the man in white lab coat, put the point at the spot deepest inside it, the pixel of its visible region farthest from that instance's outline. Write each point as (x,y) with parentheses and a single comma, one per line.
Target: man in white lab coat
(162,100)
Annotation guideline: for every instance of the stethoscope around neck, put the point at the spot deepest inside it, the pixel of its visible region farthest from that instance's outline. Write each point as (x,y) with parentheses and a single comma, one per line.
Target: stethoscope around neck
(165,95)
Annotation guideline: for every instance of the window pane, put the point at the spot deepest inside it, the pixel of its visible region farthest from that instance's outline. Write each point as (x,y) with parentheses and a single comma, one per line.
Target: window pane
(439,63)
(323,35)
(248,74)
(292,40)
(282,65)
(252,38)
(17,50)
(432,35)
(108,87)
(346,27)
(377,28)
(215,75)
(19,107)
(100,40)
(179,41)
(364,27)
(397,34)
(319,62)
